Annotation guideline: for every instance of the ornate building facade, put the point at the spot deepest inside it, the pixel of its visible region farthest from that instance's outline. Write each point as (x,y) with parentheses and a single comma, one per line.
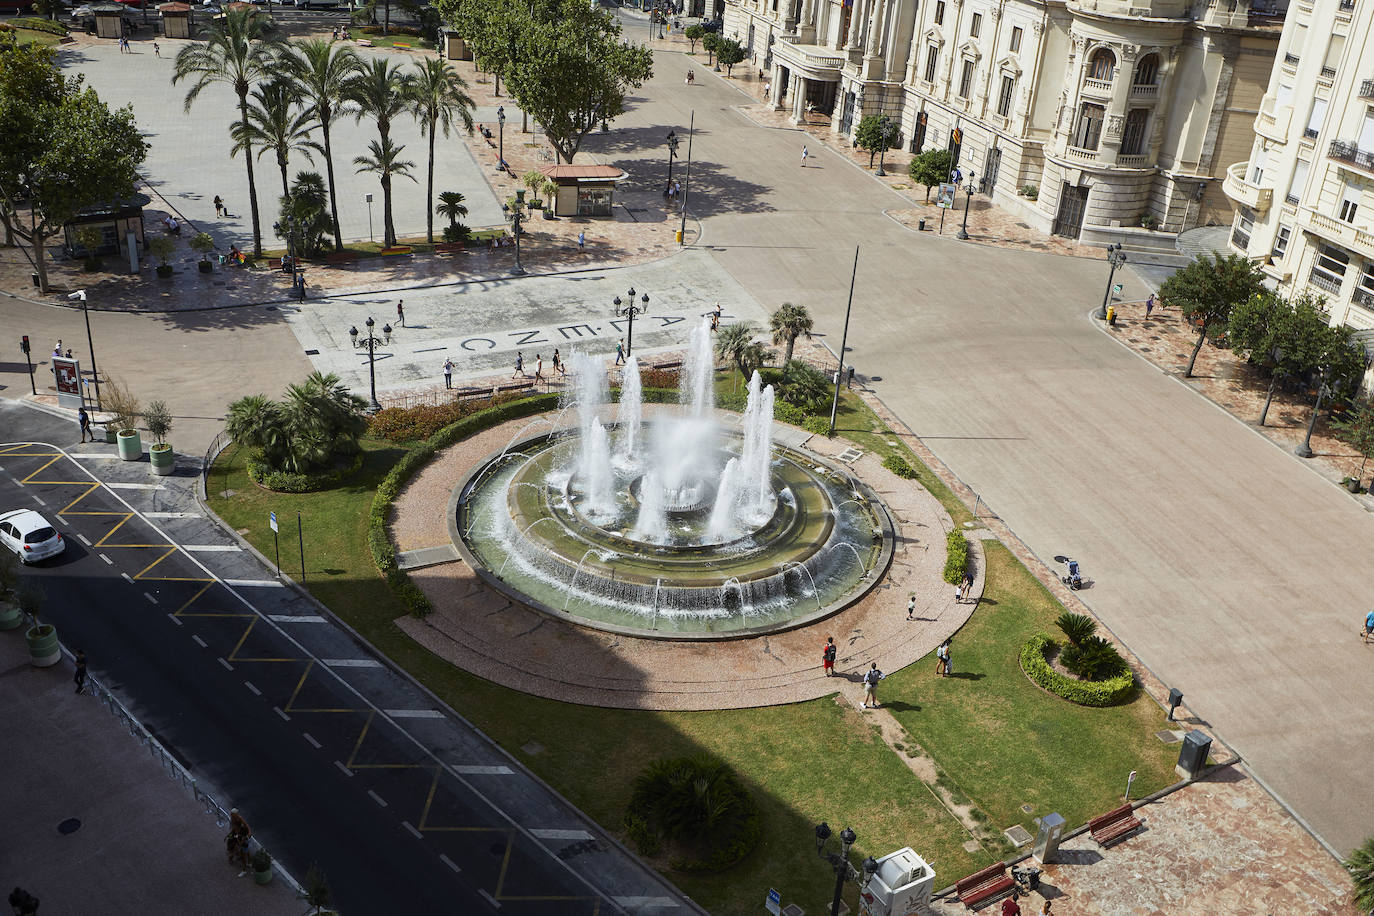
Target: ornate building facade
(1087,117)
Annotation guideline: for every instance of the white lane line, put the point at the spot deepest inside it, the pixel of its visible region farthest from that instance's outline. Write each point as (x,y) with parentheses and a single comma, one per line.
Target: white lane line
(278,711)
(377,798)
(211,548)
(490,899)
(127,578)
(418,834)
(91,456)
(483,771)
(346,771)
(256,691)
(414,713)
(200,642)
(301,618)
(39,500)
(82,538)
(351,662)
(644,903)
(135,486)
(227,666)
(66,524)
(449,862)
(150,597)
(175,619)
(551,834)
(172,515)
(311,739)
(105,558)
(254,583)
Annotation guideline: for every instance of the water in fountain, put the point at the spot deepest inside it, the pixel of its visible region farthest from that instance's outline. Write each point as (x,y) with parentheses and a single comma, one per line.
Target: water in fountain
(596,471)
(588,393)
(652,523)
(721,526)
(699,371)
(753,496)
(631,409)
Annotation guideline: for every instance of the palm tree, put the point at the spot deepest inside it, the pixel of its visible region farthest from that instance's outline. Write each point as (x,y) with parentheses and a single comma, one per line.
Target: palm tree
(307,207)
(688,798)
(277,124)
(451,207)
(438,99)
(385,162)
(381,92)
(787,324)
(239,50)
(1360,865)
(322,69)
(735,342)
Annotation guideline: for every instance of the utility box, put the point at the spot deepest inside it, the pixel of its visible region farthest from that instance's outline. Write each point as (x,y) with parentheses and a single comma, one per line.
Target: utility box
(901,886)
(1047,838)
(1193,756)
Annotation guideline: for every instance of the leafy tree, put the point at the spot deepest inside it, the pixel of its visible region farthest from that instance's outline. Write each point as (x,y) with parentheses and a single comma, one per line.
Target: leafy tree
(728,53)
(315,890)
(871,135)
(805,386)
(308,207)
(49,8)
(1208,289)
(163,248)
(931,168)
(1360,865)
(61,150)
(695,33)
(1356,427)
(385,162)
(489,28)
(241,50)
(382,92)
(158,418)
(322,70)
(451,208)
(440,98)
(709,42)
(277,123)
(787,324)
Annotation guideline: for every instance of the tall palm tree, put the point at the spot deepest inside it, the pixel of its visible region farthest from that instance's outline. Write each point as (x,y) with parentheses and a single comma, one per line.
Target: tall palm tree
(438,99)
(385,162)
(241,51)
(451,207)
(381,92)
(276,123)
(787,324)
(322,69)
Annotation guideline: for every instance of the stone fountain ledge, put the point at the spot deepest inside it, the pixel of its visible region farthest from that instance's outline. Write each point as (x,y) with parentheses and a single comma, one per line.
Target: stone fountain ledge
(484,632)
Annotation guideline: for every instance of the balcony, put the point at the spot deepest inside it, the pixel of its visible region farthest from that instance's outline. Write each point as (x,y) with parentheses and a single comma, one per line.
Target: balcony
(1290,59)
(1097,87)
(1363,297)
(1324,282)
(1367,89)
(1082,155)
(1347,236)
(1351,154)
(813,61)
(1244,192)
(1132,162)
(1274,126)
(1144,92)
(1328,73)
(1346,6)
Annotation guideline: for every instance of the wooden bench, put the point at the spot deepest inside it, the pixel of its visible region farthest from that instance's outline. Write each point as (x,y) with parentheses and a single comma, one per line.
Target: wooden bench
(473,394)
(449,247)
(984,886)
(512,386)
(398,251)
(1114,825)
(672,364)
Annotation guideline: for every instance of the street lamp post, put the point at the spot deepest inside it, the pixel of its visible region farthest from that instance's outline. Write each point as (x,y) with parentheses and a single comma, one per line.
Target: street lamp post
(1323,391)
(517,217)
(1115,257)
(371,343)
(501,135)
(90,344)
(631,309)
(687,188)
(672,152)
(968,196)
(839,861)
(883,123)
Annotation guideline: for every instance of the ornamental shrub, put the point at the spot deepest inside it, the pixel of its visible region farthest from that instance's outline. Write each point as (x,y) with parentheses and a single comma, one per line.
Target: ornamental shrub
(898,465)
(1093,659)
(956,557)
(1076,627)
(784,412)
(1108,692)
(698,805)
(820,426)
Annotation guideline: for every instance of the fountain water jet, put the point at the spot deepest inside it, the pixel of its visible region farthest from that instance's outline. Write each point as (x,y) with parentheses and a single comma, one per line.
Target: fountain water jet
(631,409)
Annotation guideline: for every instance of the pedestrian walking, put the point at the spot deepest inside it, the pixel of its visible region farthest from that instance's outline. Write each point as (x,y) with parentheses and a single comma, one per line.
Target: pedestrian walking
(804,155)
(519,366)
(1368,626)
(236,843)
(968,587)
(959,593)
(79,678)
(715,318)
(620,352)
(448,374)
(581,241)
(1149,304)
(948,658)
(219,206)
(1045,908)
(911,607)
(157,52)
(558,364)
(538,366)
(871,678)
(401,312)
(940,658)
(83,420)
(828,652)
(57,348)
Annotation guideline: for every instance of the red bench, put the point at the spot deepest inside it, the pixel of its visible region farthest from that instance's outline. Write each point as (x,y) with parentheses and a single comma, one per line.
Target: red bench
(984,886)
(448,247)
(1114,825)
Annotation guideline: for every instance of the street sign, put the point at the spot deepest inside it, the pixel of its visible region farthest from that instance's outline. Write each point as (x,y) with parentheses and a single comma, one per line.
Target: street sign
(67,375)
(1116,289)
(272,520)
(774,902)
(945,197)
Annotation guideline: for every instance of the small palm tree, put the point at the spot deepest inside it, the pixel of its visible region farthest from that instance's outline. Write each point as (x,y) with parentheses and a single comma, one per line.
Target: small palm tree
(276,123)
(439,98)
(385,162)
(1077,628)
(452,208)
(691,798)
(239,50)
(307,207)
(322,70)
(735,343)
(787,324)
(1360,865)
(381,91)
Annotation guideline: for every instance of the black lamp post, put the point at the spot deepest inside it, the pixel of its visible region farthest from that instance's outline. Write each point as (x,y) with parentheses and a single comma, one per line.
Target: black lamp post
(672,153)
(1115,257)
(968,196)
(1323,391)
(297,276)
(628,307)
(517,217)
(501,134)
(840,862)
(883,124)
(90,345)
(371,343)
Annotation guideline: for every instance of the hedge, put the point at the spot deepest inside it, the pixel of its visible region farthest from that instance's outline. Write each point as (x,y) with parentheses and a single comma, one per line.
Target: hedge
(383,553)
(288,482)
(819,426)
(898,465)
(1109,692)
(38,25)
(956,557)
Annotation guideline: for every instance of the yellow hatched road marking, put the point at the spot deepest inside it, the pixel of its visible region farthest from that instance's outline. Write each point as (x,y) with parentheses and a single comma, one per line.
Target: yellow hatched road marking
(291,703)
(234,655)
(429,802)
(357,746)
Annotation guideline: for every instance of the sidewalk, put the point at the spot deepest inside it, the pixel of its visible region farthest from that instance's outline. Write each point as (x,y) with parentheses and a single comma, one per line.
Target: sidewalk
(141,845)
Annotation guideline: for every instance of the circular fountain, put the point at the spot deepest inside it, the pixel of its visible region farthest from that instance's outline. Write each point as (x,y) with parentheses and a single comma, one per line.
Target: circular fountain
(683,525)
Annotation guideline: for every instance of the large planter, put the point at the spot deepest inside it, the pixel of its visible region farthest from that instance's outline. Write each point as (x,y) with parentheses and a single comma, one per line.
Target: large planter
(10,616)
(205,267)
(264,876)
(165,271)
(130,445)
(162,459)
(44,649)
(111,434)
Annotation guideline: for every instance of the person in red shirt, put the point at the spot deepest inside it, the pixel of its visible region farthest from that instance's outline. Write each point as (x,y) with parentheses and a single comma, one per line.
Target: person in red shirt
(828,653)
(1010,907)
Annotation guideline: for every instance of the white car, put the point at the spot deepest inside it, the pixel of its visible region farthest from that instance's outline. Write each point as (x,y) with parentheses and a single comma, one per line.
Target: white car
(30,536)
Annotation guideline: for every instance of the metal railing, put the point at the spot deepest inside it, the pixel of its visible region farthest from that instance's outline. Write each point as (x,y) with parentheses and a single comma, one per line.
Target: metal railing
(1367,89)
(1322,281)
(1363,297)
(1346,5)
(1329,72)
(1351,152)
(1291,59)
(217,445)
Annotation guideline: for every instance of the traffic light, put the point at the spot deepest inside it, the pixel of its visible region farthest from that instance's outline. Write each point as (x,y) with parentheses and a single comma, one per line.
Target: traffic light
(24,344)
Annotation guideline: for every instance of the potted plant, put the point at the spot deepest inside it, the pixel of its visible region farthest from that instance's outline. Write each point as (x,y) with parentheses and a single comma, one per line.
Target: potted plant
(89,238)
(202,244)
(534,180)
(1148,221)
(262,866)
(44,650)
(10,614)
(550,190)
(124,413)
(163,248)
(158,419)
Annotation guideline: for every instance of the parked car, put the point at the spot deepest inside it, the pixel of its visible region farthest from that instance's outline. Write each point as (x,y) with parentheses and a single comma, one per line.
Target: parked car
(30,536)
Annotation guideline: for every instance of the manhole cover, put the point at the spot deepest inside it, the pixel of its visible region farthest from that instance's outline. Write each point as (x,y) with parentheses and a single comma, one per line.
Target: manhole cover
(1027,808)
(533,748)
(1169,737)
(69,826)
(1017,835)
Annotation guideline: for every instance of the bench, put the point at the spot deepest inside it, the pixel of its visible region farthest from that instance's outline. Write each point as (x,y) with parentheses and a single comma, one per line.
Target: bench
(671,364)
(1114,825)
(398,251)
(984,886)
(448,247)
(512,386)
(473,394)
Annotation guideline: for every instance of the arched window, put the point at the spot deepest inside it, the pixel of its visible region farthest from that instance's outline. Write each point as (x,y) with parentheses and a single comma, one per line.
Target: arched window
(1101,64)
(1147,71)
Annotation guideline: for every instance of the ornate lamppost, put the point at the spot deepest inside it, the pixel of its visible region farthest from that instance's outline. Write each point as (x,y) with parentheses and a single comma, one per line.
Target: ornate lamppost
(844,871)
(631,309)
(1115,257)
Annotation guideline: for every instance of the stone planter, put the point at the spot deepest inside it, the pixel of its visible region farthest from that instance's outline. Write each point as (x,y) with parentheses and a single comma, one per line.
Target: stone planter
(1352,484)
(205,267)
(162,459)
(44,649)
(10,616)
(263,876)
(165,271)
(130,445)
(549,214)
(111,435)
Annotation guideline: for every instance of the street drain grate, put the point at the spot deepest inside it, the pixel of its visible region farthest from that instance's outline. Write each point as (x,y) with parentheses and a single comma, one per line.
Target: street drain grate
(1017,835)
(1169,737)
(69,826)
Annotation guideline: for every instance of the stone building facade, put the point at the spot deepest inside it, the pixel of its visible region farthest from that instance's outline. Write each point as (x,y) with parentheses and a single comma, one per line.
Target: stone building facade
(1086,118)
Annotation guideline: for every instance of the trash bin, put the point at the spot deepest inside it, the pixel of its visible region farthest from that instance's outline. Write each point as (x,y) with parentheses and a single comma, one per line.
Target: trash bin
(921,225)
(35,281)
(1193,755)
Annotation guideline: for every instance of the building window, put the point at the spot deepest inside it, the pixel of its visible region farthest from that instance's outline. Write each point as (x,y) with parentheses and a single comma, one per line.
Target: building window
(975,25)
(1257,163)
(1005,96)
(966,79)
(1299,179)
(1245,224)
(1281,243)
(1016,38)
(932,61)
(1147,71)
(1329,270)
(1101,64)
(1364,295)
(1089,129)
(939,12)
(1133,138)
(1350,202)
(1314,123)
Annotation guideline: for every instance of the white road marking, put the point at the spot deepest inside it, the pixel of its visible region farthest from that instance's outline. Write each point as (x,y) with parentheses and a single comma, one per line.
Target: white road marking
(377,798)
(66,524)
(644,903)
(551,834)
(351,662)
(301,618)
(227,666)
(256,691)
(200,642)
(208,548)
(175,619)
(135,486)
(483,771)
(150,597)
(414,713)
(490,899)
(449,862)
(311,739)
(253,583)
(278,711)
(407,825)
(39,500)
(127,578)
(91,456)
(172,515)
(82,538)
(105,558)
(346,770)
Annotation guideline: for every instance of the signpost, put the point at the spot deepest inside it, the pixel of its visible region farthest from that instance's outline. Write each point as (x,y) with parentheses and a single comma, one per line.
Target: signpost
(272,520)
(67,374)
(774,902)
(944,199)
(1116,290)
(302,542)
